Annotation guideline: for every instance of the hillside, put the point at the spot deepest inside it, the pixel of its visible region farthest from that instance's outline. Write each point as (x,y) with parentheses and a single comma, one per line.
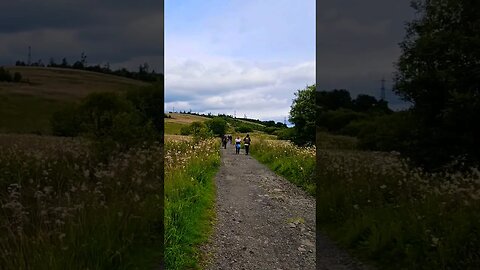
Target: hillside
(178,120)
(59,83)
(26,107)
(174,124)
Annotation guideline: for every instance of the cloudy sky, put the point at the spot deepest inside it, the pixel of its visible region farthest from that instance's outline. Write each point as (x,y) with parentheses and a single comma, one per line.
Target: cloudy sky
(358,43)
(125,33)
(247,57)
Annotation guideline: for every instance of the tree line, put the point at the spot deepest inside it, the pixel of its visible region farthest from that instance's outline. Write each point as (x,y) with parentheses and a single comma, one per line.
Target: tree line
(438,72)
(144,73)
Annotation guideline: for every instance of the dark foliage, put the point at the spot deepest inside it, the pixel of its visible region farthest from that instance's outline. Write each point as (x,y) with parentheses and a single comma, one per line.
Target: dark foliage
(114,121)
(6,76)
(439,72)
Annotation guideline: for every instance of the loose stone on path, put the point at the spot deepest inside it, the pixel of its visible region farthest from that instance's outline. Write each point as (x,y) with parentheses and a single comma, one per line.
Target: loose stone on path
(265,222)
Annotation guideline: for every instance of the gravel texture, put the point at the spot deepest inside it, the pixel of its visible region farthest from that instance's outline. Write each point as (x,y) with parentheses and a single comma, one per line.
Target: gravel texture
(265,222)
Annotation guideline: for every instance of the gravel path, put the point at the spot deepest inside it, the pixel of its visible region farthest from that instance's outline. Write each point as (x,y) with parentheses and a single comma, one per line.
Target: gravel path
(265,222)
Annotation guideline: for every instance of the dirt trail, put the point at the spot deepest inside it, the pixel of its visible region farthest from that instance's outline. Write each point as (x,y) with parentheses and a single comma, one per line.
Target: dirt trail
(265,222)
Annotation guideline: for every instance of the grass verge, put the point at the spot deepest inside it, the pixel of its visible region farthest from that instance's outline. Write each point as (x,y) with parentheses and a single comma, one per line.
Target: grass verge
(189,200)
(296,164)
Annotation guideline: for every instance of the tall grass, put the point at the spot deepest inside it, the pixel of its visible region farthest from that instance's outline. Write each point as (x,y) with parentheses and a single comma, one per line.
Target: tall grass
(189,199)
(326,140)
(60,209)
(297,164)
(397,216)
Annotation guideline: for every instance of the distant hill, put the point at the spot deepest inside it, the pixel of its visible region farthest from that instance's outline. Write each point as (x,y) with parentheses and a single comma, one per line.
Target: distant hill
(178,120)
(60,83)
(26,107)
(174,124)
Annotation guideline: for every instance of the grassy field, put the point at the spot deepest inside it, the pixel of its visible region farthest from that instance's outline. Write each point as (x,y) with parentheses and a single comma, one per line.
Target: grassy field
(395,216)
(61,209)
(189,199)
(21,113)
(61,84)
(26,107)
(329,141)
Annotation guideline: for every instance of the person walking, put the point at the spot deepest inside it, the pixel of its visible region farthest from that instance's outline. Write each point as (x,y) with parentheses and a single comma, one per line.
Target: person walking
(224,141)
(237,145)
(246,143)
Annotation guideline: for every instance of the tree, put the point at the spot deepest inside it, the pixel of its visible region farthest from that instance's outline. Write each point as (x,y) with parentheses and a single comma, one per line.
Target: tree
(5,75)
(303,114)
(364,103)
(106,67)
(77,65)
(52,63)
(64,63)
(66,122)
(83,59)
(217,126)
(143,69)
(439,72)
(98,110)
(148,102)
(334,99)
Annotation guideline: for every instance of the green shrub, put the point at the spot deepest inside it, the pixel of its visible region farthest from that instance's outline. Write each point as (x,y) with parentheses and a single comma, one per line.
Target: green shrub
(147,102)
(186,130)
(384,133)
(198,129)
(217,126)
(286,134)
(243,129)
(98,110)
(5,75)
(66,122)
(271,130)
(114,122)
(334,121)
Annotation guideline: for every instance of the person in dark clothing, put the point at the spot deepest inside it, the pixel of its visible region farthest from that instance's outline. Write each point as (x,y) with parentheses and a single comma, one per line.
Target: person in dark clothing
(246,143)
(224,141)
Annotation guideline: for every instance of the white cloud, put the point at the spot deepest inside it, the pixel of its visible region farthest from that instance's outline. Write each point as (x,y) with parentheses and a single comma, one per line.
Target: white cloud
(249,57)
(226,86)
